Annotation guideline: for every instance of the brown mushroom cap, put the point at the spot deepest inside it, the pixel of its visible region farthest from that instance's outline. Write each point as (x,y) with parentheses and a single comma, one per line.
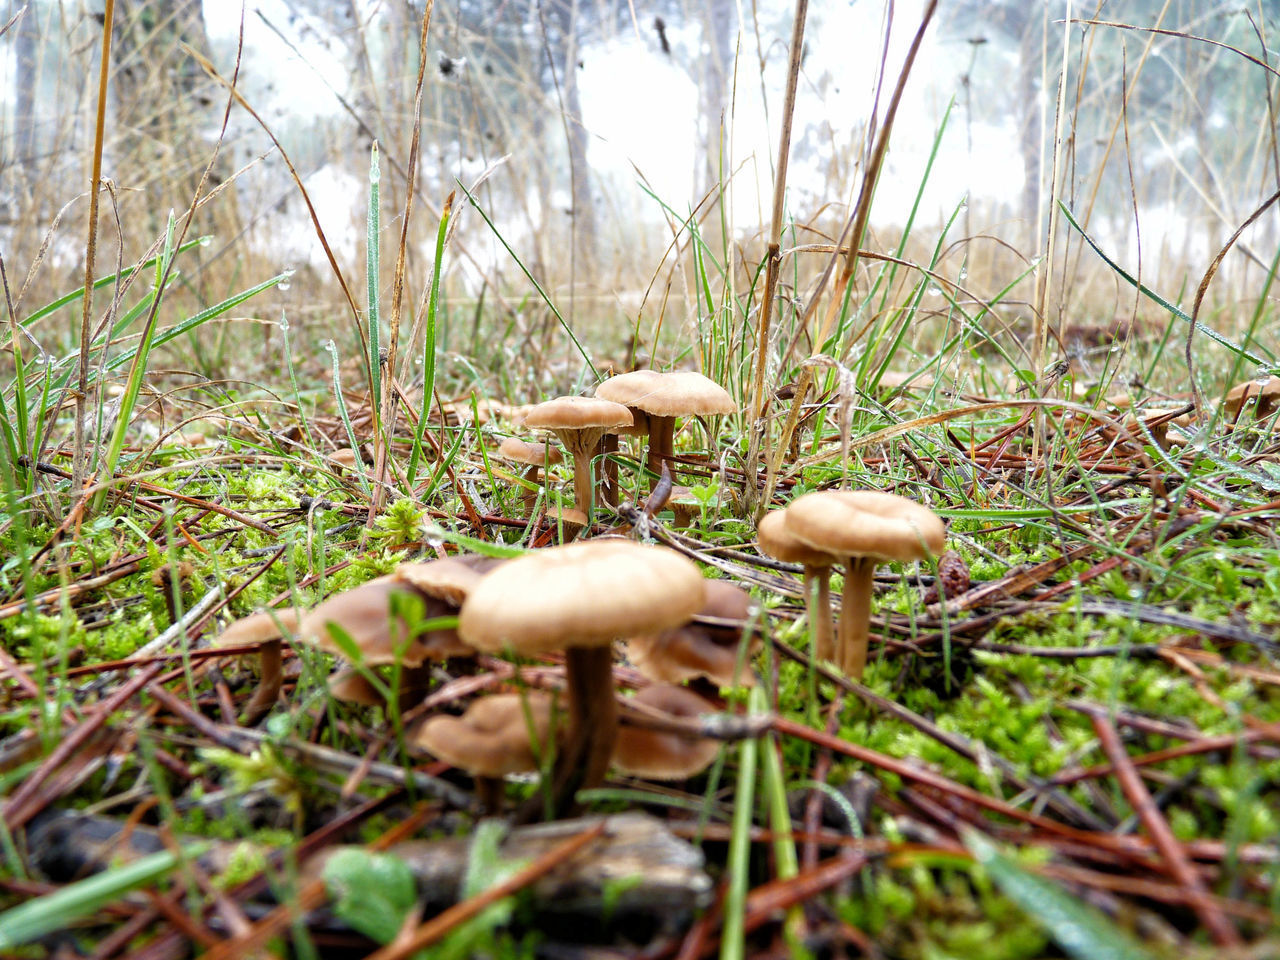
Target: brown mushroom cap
(779,542)
(449,579)
(258,627)
(581,594)
(589,414)
(352,686)
(679,394)
(696,649)
(866,523)
(364,613)
(656,755)
(1267,394)
(535,454)
(492,738)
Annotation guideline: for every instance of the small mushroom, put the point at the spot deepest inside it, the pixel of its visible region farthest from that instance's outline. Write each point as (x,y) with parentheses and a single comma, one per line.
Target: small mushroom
(579,423)
(1266,395)
(777,542)
(662,755)
(580,598)
(496,736)
(265,628)
(171,581)
(706,647)
(533,456)
(662,397)
(364,614)
(861,529)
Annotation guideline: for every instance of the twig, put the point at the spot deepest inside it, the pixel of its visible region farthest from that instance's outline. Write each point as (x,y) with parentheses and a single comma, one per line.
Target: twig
(1175,858)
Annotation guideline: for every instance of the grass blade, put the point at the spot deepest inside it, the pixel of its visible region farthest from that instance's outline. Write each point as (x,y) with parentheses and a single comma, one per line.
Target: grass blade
(44,915)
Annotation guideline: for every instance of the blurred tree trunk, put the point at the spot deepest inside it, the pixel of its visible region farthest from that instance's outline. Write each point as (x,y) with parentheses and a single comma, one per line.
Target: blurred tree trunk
(25,35)
(564,51)
(713,84)
(162,97)
(1029,123)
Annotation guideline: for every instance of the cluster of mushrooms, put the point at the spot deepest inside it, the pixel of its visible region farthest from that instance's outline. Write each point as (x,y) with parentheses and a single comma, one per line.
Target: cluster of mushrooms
(639,403)
(682,632)
(576,600)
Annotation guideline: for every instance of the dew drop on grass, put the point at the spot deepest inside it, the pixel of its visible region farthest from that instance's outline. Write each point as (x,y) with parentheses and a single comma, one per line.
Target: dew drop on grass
(206,241)
(935,291)
(1135,593)
(283,285)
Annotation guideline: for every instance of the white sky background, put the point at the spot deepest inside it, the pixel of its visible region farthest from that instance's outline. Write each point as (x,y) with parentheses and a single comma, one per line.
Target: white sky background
(653,124)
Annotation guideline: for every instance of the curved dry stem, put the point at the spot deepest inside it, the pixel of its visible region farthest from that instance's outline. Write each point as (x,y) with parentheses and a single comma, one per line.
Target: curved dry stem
(855,617)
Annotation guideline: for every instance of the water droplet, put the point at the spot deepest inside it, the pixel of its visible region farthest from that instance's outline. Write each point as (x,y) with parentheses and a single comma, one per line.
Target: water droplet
(283,285)
(1135,593)
(935,291)
(964,274)
(206,241)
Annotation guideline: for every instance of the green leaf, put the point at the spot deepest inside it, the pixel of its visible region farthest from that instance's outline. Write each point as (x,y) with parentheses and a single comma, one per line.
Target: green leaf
(55,911)
(374,891)
(1078,928)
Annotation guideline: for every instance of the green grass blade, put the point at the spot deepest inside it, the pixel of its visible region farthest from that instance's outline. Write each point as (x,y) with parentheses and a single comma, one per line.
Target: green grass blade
(1150,294)
(429,345)
(373,266)
(44,915)
(529,276)
(1082,931)
(733,938)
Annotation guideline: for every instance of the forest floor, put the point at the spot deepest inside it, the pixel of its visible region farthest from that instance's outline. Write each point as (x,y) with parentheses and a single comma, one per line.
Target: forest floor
(1066,742)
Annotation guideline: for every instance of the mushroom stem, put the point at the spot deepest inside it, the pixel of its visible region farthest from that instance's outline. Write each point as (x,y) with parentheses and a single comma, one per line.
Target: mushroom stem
(661,444)
(271,663)
(855,616)
(817,596)
(529,497)
(609,467)
(491,792)
(593,725)
(583,491)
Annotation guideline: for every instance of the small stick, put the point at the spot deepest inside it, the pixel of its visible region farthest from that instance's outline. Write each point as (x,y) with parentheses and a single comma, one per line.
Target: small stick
(1176,860)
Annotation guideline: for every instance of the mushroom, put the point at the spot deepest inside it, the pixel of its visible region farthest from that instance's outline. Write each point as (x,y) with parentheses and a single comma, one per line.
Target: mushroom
(364,614)
(496,736)
(700,649)
(264,628)
(662,755)
(534,456)
(661,397)
(1267,394)
(579,423)
(775,540)
(580,598)
(862,529)
(172,580)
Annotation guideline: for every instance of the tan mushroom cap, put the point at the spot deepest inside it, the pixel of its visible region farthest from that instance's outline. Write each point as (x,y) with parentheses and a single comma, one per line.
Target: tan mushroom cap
(535,454)
(364,613)
(448,579)
(642,752)
(780,543)
(1267,394)
(492,738)
(695,649)
(577,413)
(352,686)
(866,523)
(259,627)
(581,594)
(679,394)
